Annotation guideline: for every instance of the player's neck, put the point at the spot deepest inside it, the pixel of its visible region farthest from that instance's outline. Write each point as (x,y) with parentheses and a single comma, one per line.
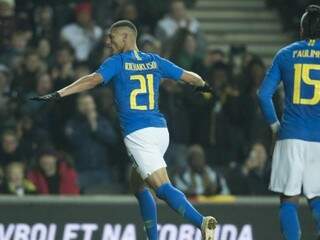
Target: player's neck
(131,48)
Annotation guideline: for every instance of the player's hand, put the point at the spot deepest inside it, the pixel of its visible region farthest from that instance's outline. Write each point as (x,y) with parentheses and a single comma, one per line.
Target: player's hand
(47,98)
(205,88)
(275,127)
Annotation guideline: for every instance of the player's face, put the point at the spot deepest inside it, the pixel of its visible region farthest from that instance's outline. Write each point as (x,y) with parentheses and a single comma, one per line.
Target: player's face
(115,41)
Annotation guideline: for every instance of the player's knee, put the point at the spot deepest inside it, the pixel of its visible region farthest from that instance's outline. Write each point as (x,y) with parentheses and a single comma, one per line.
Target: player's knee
(290,199)
(315,207)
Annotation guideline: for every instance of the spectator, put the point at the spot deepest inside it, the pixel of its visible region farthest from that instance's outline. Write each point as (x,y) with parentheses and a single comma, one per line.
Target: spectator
(211,57)
(200,105)
(104,11)
(252,177)
(253,122)
(4,91)
(198,178)
(44,26)
(32,137)
(150,44)
(226,135)
(15,181)
(25,80)
(1,177)
(177,18)
(99,54)
(44,51)
(90,145)
(129,12)
(43,114)
(81,70)
(8,99)
(82,35)
(7,22)
(53,175)
(172,105)
(14,52)
(62,71)
(183,52)
(150,12)
(9,151)
(43,85)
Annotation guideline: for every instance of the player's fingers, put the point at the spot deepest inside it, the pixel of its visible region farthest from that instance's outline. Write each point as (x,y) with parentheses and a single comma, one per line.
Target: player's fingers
(40,98)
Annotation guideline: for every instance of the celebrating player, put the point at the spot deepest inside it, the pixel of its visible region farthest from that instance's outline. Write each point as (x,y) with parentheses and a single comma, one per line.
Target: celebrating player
(135,77)
(296,162)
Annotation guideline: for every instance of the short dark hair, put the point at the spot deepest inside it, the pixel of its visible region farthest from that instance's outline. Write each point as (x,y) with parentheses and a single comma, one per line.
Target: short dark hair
(45,152)
(124,23)
(310,22)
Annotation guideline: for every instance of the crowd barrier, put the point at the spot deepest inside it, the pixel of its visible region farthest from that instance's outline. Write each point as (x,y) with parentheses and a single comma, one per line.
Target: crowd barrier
(117,218)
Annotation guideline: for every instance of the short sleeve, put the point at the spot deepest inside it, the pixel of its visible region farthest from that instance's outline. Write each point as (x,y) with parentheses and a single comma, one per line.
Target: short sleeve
(109,68)
(169,69)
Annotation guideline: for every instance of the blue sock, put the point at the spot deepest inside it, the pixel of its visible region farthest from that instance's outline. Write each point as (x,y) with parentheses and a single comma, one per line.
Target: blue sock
(289,221)
(315,207)
(148,211)
(178,202)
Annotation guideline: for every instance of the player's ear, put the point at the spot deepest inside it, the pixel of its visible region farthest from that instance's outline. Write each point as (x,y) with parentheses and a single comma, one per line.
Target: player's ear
(125,36)
(301,33)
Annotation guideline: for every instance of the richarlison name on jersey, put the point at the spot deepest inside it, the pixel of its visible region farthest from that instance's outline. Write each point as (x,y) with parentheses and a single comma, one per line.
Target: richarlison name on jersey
(140,66)
(306,53)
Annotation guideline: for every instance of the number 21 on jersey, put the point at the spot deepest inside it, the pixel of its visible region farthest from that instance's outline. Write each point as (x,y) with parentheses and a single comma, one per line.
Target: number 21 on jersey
(146,86)
(302,73)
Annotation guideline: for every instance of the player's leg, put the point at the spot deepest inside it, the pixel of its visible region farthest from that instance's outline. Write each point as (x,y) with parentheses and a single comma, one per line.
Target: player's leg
(147,147)
(160,182)
(286,179)
(147,204)
(289,219)
(311,181)
(314,204)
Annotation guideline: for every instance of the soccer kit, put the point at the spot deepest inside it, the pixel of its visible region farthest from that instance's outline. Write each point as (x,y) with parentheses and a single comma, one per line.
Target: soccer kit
(135,78)
(296,158)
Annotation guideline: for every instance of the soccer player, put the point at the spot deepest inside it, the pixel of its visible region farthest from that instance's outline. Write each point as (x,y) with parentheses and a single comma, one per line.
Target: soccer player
(135,77)
(296,162)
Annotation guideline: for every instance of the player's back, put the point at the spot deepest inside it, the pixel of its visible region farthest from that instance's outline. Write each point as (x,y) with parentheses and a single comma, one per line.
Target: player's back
(135,78)
(300,72)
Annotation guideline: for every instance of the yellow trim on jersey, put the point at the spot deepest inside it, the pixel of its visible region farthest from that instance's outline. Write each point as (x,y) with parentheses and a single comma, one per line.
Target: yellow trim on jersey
(136,54)
(311,42)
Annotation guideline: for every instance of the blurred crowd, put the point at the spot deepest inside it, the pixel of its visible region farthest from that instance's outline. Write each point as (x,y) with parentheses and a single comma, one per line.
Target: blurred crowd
(219,142)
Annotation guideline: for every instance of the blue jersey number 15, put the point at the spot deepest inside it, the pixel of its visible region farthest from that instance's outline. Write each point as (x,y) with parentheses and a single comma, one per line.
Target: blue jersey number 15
(302,73)
(146,86)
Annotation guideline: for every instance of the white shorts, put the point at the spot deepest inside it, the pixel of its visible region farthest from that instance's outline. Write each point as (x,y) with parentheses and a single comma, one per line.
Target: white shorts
(146,148)
(296,166)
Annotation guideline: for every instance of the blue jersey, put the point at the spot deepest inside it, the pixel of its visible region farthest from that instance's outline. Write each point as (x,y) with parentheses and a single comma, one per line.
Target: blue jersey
(298,67)
(135,78)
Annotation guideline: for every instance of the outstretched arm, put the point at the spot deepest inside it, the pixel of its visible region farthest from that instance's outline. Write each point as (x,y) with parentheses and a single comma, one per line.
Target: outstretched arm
(172,71)
(195,80)
(82,84)
(192,78)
